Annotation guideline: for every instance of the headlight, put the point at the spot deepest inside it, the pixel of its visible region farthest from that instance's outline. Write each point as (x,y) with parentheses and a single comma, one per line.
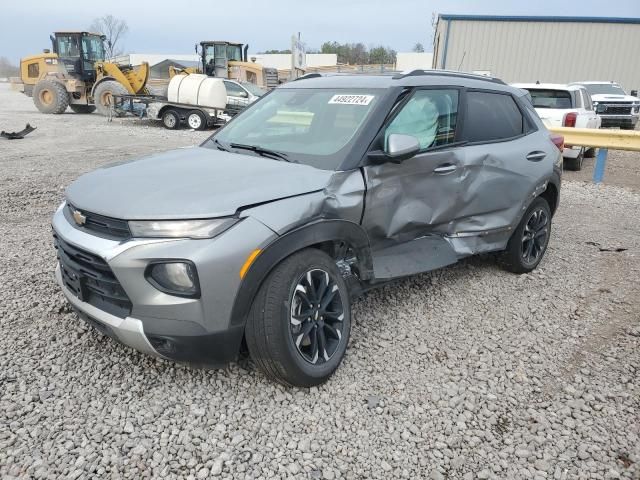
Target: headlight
(178,278)
(180,228)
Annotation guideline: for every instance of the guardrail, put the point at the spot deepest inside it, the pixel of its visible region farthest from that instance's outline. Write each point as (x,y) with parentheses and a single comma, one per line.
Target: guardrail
(602,139)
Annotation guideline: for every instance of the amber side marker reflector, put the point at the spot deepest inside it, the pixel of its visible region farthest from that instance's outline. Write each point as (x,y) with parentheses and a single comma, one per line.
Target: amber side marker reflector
(252,256)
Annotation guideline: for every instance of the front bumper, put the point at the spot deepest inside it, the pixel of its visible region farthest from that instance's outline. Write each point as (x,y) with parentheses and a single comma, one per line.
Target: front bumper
(128,331)
(618,120)
(199,330)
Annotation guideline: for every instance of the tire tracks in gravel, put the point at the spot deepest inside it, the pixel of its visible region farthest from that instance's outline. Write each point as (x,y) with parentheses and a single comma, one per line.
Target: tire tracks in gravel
(622,313)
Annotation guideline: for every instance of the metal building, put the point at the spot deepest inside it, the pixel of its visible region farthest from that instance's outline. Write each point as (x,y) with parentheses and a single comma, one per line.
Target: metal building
(548,49)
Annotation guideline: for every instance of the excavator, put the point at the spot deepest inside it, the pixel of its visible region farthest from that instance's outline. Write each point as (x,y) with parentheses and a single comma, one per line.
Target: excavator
(224,59)
(76,75)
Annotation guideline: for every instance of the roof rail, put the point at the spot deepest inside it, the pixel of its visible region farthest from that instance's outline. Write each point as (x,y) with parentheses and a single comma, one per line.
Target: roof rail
(308,75)
(449,73)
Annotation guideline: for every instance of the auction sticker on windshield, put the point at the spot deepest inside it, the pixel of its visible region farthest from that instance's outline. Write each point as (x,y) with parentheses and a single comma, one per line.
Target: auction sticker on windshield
(351,99)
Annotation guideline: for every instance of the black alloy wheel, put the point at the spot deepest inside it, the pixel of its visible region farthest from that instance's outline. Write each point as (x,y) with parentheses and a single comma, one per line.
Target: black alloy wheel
(317,315)
(535,236)
(299,324)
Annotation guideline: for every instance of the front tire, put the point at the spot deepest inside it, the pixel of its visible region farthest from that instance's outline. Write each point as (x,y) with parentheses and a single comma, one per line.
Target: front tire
(50,96)
(529,241)
(103,95)
(300,320)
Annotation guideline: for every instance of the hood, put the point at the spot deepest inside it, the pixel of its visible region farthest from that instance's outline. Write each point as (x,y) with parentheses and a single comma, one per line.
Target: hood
(191,183)
(606,97)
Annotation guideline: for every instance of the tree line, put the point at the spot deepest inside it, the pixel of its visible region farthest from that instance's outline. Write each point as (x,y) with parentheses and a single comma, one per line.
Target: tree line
(357,53)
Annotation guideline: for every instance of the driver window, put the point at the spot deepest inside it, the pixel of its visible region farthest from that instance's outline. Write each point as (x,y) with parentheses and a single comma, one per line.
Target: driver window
(430,116)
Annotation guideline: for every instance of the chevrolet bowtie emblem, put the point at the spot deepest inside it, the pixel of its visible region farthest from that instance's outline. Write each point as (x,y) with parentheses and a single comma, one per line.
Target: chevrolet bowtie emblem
(79,217)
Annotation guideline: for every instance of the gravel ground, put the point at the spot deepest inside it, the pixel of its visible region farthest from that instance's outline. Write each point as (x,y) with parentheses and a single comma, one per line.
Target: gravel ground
(468,372)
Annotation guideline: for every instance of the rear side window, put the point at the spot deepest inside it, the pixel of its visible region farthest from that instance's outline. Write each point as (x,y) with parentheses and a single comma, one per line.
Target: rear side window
(491,117)
(33,70)
(545,98)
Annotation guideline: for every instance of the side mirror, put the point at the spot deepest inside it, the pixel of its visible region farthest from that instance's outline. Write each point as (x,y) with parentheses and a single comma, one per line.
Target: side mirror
(401,147)
(243,94)
(634,93)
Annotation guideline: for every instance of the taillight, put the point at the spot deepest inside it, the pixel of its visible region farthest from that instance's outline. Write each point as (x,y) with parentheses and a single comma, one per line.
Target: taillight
(558,141)
(570,119)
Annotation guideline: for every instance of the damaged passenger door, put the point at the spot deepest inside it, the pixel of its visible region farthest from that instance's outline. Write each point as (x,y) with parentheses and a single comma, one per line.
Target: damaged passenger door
(508,163)
(410,203)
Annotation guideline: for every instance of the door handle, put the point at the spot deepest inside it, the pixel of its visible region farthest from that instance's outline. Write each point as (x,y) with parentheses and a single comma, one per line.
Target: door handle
(536,156)
(445,168)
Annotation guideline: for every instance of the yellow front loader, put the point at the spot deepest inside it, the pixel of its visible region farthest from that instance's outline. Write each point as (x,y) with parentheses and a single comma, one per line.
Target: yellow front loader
(224,59)
(76,75)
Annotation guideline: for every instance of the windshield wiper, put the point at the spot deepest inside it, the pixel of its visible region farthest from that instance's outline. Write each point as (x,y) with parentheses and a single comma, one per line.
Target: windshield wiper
(265,152)
(219,145)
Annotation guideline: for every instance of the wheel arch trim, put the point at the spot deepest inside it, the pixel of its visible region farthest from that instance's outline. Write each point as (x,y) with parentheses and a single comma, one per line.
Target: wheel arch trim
(293,241)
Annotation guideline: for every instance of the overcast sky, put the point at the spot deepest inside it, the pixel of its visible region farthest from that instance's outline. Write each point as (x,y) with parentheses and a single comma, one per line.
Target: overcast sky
(174,27)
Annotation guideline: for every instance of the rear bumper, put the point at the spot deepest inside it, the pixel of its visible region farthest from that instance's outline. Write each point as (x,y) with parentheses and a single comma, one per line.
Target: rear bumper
(571,152)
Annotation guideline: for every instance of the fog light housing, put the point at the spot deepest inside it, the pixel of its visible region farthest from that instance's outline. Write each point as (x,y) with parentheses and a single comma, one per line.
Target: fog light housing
(174,277)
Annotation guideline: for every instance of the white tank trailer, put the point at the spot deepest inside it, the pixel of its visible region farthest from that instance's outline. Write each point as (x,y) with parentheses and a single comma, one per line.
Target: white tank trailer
(197,89)
(194,99)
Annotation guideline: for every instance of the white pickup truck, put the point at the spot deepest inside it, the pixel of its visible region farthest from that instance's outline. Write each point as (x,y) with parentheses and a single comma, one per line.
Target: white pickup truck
(615,107)
(560,105)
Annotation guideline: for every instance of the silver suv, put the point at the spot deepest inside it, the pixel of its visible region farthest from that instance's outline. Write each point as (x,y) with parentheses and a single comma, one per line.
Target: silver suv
(325,187)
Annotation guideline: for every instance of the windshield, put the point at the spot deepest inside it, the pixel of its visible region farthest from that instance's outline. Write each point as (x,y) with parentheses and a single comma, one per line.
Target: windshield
(604,89)
(254,89)
(545,98)
(311,126)
(93,48)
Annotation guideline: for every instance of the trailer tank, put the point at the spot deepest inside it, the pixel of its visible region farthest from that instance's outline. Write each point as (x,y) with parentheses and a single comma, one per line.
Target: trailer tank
(197,89)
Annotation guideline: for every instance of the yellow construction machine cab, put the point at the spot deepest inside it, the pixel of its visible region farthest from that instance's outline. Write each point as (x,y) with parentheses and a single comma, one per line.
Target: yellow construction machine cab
(216,55)
(224,59)
(79,52)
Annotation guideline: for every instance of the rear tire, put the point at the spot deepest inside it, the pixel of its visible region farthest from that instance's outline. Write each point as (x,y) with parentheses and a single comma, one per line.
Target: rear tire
(530,239)
(575,163)
(171,119)
(299,323)
(590,153)
(82,108)
(50,96)
(196,120)
(103,95)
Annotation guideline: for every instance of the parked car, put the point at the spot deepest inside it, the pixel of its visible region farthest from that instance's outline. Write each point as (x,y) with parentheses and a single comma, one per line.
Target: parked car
(242,93)
(324,188)
(615,107)
(564,106)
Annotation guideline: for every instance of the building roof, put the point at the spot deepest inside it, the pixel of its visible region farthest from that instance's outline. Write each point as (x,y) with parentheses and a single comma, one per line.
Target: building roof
(525,18)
